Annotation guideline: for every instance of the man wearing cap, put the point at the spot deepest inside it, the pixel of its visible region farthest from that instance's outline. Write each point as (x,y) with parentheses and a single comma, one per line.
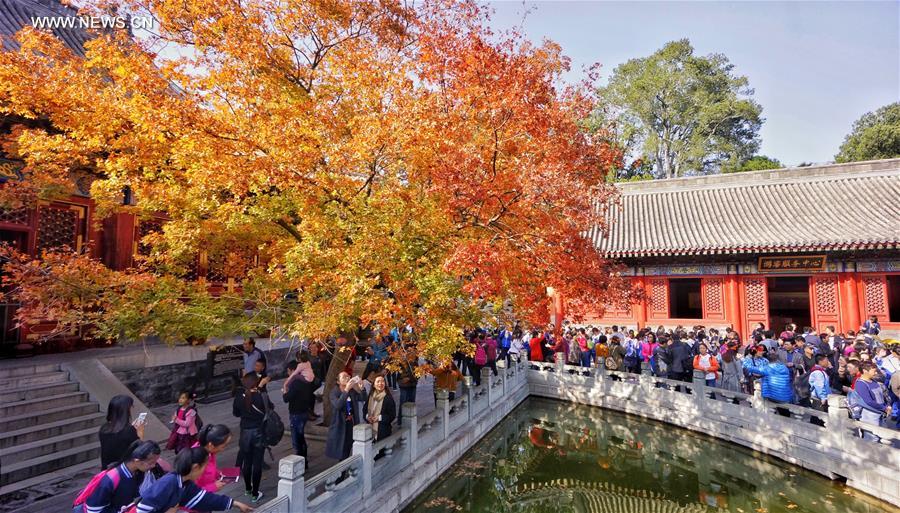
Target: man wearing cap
(769,340)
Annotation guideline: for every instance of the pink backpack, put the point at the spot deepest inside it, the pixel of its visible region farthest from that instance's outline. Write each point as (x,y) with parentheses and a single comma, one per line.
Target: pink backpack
(113,474)
(480,355)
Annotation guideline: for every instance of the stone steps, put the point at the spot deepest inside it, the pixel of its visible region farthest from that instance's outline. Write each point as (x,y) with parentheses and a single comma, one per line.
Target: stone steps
(44,378)
(28,370)
(47,424)
(45,446)
(51,429)
(23,470)
(12,395)
(42,404)
(35,419)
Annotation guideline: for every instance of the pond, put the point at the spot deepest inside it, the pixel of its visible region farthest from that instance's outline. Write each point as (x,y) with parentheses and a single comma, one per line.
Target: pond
(549,456)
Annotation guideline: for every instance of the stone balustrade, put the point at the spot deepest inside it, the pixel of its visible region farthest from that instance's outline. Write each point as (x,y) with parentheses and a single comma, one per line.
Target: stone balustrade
(386,475)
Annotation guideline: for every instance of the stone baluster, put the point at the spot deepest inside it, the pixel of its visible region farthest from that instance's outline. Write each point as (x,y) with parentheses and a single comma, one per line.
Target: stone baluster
(469,391)
(699,388)
(411,422)
(362,446)
(560,363)
(645,368)
(838,418)
(503,374)
(443,406)
(487,377)
(291,483)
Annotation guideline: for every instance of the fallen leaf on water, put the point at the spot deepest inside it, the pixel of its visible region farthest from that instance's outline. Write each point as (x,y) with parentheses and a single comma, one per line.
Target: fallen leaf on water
(791,506)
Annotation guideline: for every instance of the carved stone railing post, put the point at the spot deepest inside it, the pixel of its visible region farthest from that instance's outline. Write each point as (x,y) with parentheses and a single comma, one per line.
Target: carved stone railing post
(646,370)
(469,390)
(411,422)
(443,406)
(699,383)
(502,373)
(362,445)
(291,483)
(838,418)
(487,378)
(560,363)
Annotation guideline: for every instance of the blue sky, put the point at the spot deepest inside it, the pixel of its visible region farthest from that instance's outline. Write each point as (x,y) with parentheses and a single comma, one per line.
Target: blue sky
(816,66)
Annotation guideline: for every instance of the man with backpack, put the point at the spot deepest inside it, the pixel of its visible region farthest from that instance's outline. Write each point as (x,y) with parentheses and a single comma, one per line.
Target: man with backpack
(811,388)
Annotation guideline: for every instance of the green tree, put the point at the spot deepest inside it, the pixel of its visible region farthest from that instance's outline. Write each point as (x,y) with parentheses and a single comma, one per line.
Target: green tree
(876,135)
(681,112)
(755,163)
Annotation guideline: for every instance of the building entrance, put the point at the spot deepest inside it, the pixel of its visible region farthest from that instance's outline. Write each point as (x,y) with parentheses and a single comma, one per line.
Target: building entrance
(788,302)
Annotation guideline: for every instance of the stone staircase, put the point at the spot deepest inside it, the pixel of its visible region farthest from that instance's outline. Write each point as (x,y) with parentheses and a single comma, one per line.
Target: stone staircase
(46,424)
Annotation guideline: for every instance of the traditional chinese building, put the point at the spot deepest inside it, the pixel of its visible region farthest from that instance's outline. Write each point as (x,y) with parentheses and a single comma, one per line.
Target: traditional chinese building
(816,246)
(69,222)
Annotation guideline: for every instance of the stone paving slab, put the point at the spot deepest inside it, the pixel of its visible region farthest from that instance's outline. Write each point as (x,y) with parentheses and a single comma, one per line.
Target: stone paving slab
(56,494)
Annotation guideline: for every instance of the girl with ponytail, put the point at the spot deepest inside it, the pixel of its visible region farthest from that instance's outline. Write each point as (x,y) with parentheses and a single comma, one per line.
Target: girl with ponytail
(178,488)
(214,438)
(119,486)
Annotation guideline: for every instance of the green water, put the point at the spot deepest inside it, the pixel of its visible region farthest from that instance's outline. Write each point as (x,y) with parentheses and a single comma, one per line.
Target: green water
(548,456)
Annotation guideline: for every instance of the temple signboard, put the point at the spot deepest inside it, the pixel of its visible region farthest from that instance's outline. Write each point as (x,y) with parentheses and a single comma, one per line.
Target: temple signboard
(791,264)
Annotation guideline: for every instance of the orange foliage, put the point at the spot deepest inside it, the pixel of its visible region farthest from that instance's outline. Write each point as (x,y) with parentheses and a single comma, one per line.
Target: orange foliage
(391,160)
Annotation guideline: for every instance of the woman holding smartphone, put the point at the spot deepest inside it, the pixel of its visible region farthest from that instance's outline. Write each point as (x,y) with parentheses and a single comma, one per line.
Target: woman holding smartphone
(250,407)
(117,434)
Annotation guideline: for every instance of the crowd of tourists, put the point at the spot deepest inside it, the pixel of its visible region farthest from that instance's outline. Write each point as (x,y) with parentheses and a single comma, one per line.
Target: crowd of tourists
(794,366)
(800,367)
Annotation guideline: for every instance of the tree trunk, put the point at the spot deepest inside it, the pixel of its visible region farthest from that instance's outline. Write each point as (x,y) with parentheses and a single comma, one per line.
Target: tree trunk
(338,362)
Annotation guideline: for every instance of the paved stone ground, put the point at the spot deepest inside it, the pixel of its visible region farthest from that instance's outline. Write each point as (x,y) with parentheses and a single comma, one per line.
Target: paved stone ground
(57,493)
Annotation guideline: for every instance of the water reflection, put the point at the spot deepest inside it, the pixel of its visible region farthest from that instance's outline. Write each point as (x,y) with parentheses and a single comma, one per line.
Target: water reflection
(549,456)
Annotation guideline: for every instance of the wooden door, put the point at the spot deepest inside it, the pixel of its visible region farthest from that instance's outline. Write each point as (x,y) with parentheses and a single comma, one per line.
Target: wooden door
(824,302)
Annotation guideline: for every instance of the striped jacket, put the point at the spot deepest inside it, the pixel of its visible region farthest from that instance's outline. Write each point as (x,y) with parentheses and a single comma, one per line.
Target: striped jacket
(170,490)
(109,498)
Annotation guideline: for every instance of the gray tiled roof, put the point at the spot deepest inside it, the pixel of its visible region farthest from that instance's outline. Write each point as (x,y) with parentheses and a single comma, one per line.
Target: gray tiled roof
(834,207)
(16,14)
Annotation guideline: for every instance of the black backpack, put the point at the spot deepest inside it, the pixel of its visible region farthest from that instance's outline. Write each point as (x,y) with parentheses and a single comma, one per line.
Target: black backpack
(197,420)
(273,426)
(801,386)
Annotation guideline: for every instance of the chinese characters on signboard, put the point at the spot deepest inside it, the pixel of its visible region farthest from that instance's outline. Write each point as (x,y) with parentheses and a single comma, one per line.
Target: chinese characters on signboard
(792,263)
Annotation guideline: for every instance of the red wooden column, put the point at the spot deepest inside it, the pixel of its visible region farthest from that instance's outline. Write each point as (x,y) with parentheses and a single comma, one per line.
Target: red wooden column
(733,303)
(850,305)
(640,308)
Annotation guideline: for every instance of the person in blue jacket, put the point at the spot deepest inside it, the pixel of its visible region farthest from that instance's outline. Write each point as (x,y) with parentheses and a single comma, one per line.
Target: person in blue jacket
(776,378)
(109,496)
(177,488)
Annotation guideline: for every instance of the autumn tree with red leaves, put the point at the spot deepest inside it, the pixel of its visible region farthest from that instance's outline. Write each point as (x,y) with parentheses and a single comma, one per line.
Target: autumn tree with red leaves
(384,160)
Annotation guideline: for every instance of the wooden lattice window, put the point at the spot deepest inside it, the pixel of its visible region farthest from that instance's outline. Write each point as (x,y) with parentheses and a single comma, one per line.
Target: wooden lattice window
(755,295)
(876,300)
(826,296)
(17,216)
(59,227)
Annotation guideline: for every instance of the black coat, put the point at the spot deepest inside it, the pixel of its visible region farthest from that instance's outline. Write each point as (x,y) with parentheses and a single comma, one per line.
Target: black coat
(299,397)
(678,357)
(388,415)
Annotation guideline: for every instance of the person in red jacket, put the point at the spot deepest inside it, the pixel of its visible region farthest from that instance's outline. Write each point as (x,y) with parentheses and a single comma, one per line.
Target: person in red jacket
(536,352)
